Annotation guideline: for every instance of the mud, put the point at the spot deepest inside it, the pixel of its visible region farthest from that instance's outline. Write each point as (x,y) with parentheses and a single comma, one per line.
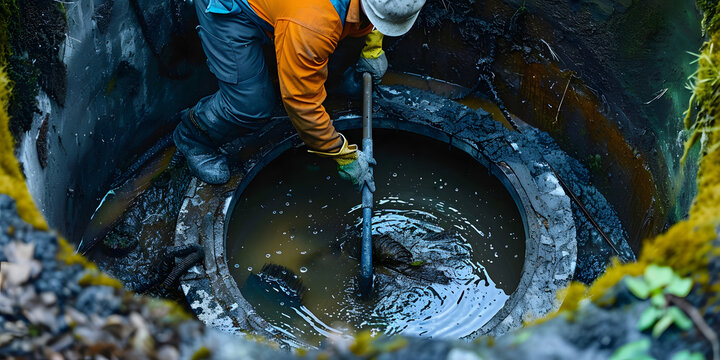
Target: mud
(137,242)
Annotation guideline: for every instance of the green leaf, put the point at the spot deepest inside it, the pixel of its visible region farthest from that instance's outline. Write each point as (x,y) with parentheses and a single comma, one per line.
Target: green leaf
(662,325)
(679,287)
(658,300)
(658,276)
(680,319)
(649,317)
(637,287)
(687,355)
(417,263)
(634,350)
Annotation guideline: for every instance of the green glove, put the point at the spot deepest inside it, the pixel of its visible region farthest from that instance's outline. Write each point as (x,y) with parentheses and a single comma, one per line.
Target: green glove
(359,171)
(352,164)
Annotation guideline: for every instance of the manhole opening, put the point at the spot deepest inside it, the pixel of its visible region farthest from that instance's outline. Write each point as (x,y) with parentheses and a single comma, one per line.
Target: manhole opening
(462,230)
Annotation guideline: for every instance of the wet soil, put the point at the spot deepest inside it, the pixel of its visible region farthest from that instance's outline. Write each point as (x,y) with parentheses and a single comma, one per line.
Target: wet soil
(136,241)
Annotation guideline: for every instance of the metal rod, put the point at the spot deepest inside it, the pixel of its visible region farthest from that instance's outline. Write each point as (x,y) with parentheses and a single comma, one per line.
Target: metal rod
(586,212)
(366,266)
(574,197)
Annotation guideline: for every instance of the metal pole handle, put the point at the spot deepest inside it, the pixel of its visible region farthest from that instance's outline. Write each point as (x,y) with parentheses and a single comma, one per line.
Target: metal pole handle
(366,267)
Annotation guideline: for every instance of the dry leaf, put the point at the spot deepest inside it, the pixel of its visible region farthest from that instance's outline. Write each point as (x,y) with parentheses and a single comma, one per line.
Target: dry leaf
(16,274)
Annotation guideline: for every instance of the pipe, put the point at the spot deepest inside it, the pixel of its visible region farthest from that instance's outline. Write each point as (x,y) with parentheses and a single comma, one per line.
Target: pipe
(366,266)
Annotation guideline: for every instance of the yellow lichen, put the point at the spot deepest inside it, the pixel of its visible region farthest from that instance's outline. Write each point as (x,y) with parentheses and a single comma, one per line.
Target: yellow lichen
(363,344)
(168,311)
(202,353)
(66,254)
(366,345)
(94,277)
(12,182)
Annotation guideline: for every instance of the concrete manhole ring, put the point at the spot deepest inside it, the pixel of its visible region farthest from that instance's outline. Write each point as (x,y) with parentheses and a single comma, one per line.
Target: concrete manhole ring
(550,249)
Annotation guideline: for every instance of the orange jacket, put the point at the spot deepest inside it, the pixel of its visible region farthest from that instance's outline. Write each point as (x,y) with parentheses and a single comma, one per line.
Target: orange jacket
(305,34)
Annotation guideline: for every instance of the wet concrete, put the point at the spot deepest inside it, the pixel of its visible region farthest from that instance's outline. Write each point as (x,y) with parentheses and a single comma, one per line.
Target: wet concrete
(523,58)
(550,257)
(534,147)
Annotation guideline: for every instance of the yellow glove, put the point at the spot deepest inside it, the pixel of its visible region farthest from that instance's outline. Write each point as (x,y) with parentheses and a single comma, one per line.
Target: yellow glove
(373,45)
(344,156)
(352,165)
(372,58)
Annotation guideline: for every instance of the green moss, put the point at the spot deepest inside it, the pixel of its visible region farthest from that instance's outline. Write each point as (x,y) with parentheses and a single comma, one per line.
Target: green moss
(366,345)
(11,179)
(711,10)
(94,277)
(201,353)
(111,85)
(23,103)
(594,163)
(8,16)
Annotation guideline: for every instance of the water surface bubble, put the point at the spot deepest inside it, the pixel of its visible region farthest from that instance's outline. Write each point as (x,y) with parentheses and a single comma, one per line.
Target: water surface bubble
(303,270)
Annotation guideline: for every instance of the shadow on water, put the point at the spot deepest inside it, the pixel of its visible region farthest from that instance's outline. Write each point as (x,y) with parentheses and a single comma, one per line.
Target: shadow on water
(453,217)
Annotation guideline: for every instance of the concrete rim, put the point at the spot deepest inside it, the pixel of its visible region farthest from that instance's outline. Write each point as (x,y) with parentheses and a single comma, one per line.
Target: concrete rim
(215,296)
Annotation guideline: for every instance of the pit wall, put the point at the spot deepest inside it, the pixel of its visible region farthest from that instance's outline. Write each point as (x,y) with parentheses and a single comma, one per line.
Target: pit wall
(132,64)
(586,72)
(125,79)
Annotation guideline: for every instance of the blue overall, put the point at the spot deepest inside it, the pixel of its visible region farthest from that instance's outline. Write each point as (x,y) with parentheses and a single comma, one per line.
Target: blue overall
(232,40)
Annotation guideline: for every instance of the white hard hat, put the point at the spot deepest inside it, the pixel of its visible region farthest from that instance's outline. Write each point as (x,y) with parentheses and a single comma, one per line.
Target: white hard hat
(392,17)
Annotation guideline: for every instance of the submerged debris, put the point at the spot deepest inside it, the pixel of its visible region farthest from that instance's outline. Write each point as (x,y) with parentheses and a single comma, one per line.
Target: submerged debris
(165,272)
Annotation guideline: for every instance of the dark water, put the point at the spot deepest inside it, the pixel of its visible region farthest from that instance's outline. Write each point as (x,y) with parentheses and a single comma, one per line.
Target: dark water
(299,214)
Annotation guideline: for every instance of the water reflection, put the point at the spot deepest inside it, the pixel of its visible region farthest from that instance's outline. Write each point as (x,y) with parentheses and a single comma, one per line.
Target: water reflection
(445,209)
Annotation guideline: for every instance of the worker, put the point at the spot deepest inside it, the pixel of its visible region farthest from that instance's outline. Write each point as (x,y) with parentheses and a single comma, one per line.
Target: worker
(305,33)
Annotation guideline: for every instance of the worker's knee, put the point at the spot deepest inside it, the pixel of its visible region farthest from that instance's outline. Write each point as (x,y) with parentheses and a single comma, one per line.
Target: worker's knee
(253,98)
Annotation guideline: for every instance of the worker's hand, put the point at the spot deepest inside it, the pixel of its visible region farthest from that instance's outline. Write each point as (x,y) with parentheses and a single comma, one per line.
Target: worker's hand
(372,58)
(377,67)
(352,83)
(358,171)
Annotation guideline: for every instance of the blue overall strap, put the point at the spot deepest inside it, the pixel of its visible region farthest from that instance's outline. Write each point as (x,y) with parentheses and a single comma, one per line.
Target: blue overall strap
(341,6)
(262,24)
(223,7)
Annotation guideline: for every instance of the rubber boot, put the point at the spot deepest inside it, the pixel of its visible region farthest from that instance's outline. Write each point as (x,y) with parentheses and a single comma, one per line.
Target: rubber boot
(200,144)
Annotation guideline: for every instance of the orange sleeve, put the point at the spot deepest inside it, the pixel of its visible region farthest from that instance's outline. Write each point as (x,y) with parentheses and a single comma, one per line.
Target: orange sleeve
(302,57)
